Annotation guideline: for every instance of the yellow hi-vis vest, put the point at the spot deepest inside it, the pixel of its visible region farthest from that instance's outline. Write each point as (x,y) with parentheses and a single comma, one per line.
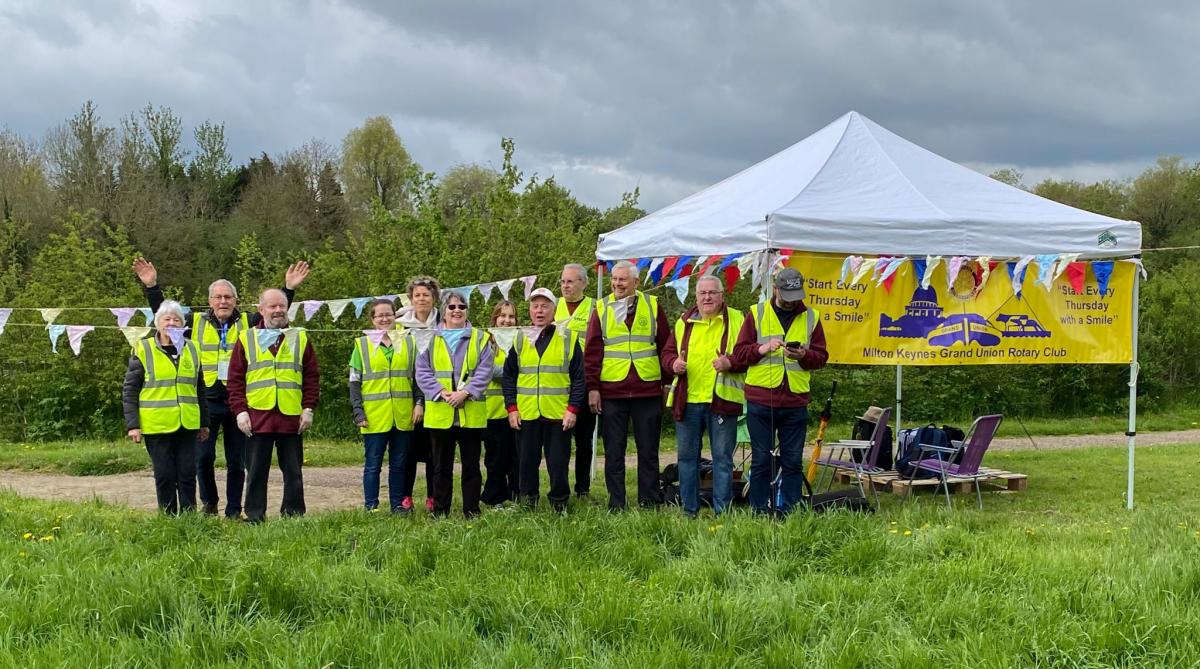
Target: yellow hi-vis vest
(168,399)
(768,372)
(274,380)
(728,386)
(439,415)
(494,395)
(387,387)
(544,381)
(577,322)
(208,337)
(624,346)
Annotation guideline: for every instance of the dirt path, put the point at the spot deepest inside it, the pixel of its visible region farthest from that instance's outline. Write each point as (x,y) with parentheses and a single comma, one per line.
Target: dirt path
(329,488)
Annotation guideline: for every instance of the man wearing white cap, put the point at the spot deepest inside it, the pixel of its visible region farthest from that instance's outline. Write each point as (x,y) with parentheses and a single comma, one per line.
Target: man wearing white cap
(544,391)
(781,342)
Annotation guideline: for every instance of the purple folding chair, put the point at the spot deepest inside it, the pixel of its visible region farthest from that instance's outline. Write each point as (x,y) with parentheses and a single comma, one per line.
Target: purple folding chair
(867,451)
(977,440)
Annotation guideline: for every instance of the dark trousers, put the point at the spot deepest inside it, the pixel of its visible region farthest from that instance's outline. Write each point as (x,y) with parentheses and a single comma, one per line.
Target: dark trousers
(764,423)
(173,457)
(442,444)
(538,437)
(418,451)
(615,416)
(258,469)
(395,443)
(585,427)
(500,460)
(222,420)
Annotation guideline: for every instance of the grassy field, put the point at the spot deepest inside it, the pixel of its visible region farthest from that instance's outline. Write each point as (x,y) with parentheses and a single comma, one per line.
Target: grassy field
(1058,576)
(94,457)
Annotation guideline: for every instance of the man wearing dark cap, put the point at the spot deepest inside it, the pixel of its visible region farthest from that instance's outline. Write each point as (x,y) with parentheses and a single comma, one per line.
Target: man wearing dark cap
(780,342)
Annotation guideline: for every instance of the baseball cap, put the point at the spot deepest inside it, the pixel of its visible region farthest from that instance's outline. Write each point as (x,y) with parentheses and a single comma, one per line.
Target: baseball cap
(790,284)
(543,292)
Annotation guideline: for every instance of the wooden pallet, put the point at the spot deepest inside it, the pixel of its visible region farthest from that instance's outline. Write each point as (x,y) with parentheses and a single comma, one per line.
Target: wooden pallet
(893,482)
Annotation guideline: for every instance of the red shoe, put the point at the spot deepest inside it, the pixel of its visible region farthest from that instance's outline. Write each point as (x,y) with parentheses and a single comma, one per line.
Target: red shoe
(406,505)
(429,504)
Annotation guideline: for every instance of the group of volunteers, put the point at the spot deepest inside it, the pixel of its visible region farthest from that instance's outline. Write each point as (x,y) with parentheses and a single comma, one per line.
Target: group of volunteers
(425,384)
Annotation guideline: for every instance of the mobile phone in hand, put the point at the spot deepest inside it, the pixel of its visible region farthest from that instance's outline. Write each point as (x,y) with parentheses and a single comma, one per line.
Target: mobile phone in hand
(792,344)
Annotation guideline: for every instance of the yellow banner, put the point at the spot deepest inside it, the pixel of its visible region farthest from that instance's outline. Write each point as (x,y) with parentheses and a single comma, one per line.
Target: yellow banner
(978,320)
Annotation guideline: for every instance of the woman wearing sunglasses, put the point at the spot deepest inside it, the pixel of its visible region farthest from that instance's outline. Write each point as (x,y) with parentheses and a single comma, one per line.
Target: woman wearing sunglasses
(453,373)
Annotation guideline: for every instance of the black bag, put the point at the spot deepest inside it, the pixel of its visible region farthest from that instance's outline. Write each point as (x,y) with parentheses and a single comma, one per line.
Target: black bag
(930,435)
(863,431)
(847,500)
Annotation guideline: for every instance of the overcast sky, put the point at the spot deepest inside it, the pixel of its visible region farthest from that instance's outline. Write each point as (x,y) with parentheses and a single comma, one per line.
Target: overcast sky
(608,95)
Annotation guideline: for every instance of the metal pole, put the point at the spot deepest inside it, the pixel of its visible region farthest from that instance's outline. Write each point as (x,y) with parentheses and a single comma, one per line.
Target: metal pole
(1131,433)
(596,429)
(899,396)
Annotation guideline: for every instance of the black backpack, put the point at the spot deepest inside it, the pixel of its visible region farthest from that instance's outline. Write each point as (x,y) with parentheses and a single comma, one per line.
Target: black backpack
(864,430)
(930,435)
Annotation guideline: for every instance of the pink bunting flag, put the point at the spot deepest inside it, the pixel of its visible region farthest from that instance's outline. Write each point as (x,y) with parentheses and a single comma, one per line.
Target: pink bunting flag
(311,307)
(528,281)
(485,289)
(177,339)
(375,336)
(952,270)
(75,335)
(123,315)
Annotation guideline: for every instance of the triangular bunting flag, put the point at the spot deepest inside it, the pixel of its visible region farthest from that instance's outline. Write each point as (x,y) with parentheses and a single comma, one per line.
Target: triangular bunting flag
(848,268)
(186,311)
(123,315)
(55,332)
(133,334)
(49,315)
(75,335)
(1076,275)
(918,269)
(680,286)
(931,263)
(1016,273)
(375,336)
(642,264)
(485,289)
(732,274)
(529,281)
(311,307)
(360,303)
(728,260)
(880,265)
(336,307)
(952,270)
(422,337)
(747,261)
(267,336)
(505,286)
(293,309)
(531,332)
(864,268)
(709,262)
(651,277)
(405,300)
(1064,260)
(504,337)
(889,271)
(176,335)
(4,314)
(666,268)
(147,315)
(1101,268)
(1046,263)
(390,297)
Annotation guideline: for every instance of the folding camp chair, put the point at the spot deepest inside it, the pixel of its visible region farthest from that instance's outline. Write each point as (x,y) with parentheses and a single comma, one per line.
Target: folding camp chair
(864,454)
(976,441)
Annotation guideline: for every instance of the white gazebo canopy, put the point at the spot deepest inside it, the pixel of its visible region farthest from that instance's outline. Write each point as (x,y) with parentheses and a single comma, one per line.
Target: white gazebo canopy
(855,187)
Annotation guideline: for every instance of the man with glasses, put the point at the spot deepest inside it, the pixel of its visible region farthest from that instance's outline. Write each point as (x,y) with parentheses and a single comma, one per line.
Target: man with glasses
(707,392)
(781,342)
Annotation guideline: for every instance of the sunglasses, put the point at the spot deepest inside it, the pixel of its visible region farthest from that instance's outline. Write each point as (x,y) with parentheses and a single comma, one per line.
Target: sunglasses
(453,307)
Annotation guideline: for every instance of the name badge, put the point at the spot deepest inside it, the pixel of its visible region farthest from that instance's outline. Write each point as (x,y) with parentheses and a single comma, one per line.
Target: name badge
(222,370)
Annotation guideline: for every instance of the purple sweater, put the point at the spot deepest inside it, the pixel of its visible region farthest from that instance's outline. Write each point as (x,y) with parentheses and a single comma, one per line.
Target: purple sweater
(480,378)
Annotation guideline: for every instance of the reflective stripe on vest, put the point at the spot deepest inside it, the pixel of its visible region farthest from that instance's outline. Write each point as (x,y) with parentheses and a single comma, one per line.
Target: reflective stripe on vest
(168,398)
(494,394)
(387,386)
(544,381)
(728,386)
(274,379)
(577,322)
(768,372)
(624,346)
(438,414)
(208,339)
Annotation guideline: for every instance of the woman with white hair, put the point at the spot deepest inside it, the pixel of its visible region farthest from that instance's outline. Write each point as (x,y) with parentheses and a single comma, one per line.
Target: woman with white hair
(165,407)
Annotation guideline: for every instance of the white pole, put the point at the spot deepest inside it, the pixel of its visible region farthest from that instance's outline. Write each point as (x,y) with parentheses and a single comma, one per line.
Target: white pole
(1131,433)
(596,429)
(899,395)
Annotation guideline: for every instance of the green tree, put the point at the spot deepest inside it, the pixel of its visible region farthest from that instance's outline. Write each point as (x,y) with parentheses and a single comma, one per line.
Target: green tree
(375,165)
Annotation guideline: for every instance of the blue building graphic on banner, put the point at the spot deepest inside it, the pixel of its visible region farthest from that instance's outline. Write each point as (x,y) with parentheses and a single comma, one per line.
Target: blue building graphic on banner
(925,319)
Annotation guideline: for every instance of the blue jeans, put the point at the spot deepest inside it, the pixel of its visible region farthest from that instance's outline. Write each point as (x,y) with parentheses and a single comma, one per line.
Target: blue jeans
(722,436)
(764,423)
(395,442)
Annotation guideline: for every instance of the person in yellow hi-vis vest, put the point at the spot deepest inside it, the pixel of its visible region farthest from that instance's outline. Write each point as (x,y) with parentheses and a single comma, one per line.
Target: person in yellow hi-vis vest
(781,342)
(707,394)
(499,438)
(214,332)
(573,312)
(385,403)
(165,408)
(453,373)
(544,391)
(625,382)
(274,385)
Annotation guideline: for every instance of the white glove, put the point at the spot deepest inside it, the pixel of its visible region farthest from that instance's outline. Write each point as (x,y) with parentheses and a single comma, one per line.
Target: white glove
(243,421)
(306,418)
